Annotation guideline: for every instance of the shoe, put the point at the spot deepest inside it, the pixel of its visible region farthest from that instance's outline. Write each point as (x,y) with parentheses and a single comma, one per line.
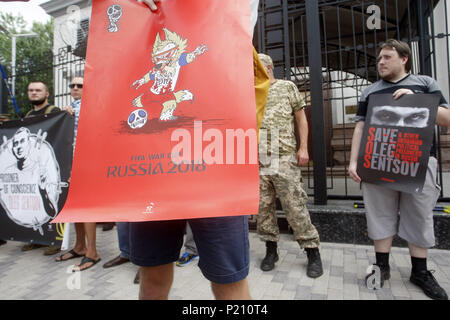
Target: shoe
(52,250)
(32,246)
(2,242)
(186,258)
(136,278)
(108,226)
(426,281)
(117,261)
(314,268)
(385,271)
(268,263)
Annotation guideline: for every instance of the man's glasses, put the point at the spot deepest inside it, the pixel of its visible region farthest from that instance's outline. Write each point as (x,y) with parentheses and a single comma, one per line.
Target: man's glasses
(73,85)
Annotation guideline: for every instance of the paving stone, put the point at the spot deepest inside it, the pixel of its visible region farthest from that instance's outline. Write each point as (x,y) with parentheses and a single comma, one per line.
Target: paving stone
(280,276)
(336,271)
(336,283)
(335,294)
(303,293)
(33,276)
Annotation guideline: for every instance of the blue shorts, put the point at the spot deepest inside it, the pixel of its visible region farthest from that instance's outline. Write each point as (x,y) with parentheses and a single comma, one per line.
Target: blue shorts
(222,245)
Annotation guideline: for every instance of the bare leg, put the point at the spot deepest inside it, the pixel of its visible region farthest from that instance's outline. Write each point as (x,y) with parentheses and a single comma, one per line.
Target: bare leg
(155,282)
(80,244)
(417,252)
(91,252)
(232,291)
(167,111)
(137,102)
(383,245)
(90,229)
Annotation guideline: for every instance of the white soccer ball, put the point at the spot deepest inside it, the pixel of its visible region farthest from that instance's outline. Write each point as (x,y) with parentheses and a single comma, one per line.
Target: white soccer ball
(137,119)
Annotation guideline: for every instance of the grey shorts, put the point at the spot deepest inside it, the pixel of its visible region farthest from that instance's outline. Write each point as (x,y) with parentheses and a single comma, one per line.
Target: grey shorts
(391,212)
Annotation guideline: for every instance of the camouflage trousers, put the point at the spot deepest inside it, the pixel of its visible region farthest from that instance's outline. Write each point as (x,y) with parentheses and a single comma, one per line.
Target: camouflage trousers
(285,182)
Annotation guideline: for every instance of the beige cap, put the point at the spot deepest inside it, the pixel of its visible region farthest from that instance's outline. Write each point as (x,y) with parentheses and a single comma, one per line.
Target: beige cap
(265,59)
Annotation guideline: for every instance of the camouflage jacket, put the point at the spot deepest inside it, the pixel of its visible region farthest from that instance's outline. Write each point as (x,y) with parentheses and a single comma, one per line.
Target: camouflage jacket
(283,101)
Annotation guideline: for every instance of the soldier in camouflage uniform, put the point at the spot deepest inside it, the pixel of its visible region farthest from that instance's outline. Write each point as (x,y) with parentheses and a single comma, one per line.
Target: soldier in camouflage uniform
(280,173)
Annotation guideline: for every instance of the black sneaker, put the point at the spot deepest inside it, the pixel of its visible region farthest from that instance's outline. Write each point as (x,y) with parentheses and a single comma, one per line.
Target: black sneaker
(2,242)
(314,268)
(426,281)
(271,257)
(385,274)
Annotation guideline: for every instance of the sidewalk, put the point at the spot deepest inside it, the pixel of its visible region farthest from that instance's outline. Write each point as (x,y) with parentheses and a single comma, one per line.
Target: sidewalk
(31,275)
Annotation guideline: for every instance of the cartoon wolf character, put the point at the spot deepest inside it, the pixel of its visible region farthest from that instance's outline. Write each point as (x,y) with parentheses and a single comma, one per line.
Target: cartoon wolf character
(168,55)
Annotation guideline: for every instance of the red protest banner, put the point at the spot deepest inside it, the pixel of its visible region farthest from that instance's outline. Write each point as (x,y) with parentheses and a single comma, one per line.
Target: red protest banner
(167,127)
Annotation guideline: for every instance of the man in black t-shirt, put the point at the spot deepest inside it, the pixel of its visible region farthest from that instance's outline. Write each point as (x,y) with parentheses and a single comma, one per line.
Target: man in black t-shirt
(38,96)
(383,205)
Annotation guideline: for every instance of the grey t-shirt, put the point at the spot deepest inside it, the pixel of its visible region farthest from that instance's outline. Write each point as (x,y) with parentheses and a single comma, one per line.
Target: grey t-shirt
(416,83)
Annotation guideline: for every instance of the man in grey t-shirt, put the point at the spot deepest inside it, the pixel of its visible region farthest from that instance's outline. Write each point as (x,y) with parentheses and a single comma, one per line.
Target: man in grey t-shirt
(382,204)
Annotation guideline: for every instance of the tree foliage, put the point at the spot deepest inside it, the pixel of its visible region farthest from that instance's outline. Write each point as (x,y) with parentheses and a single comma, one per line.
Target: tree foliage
(34,56)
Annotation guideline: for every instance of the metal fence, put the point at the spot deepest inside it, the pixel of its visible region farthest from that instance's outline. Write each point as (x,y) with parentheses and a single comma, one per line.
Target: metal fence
(66,66)
(56,72)
(329,49)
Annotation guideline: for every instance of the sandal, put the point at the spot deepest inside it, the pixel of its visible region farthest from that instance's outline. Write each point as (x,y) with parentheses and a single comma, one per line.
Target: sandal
(84,261)
(73,256)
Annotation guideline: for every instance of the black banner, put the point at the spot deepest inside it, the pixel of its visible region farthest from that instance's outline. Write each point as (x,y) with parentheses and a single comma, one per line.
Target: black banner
(35,165)
(396,142)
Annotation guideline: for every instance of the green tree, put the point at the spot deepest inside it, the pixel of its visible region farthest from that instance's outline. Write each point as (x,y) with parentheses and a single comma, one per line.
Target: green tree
(34,56)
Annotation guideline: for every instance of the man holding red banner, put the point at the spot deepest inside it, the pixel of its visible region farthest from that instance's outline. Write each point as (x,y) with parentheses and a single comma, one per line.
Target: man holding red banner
(222,242)
(383,204)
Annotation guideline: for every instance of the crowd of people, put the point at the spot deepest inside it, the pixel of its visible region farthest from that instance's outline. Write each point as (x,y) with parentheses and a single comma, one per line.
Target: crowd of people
(221,245)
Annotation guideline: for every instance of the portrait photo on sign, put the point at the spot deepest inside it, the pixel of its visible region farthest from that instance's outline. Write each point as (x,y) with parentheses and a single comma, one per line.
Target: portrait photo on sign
(416,117)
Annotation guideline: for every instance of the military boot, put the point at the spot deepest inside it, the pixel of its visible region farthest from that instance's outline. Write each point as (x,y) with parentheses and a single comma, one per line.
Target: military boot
(271,257)
(314,269)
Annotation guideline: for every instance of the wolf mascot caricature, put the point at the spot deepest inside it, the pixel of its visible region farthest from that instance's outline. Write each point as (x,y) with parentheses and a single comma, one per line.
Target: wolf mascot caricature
(168,55)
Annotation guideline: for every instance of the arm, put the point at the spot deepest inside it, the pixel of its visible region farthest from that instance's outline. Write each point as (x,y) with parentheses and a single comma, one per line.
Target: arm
(201,49)
(68,109)
(48,205)
(146,78)
(443,114)
(356,142)
(302,124)
(443,117)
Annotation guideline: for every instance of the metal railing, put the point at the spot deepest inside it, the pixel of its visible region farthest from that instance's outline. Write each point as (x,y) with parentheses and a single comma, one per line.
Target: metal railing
(330,47)
(56,72)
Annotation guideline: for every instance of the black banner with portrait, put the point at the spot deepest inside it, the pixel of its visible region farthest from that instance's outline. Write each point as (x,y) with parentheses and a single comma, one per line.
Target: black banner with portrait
(35,166)
(397,139)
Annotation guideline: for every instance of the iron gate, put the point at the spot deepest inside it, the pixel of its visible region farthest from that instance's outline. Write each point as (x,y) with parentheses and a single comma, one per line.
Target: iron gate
(329,49)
